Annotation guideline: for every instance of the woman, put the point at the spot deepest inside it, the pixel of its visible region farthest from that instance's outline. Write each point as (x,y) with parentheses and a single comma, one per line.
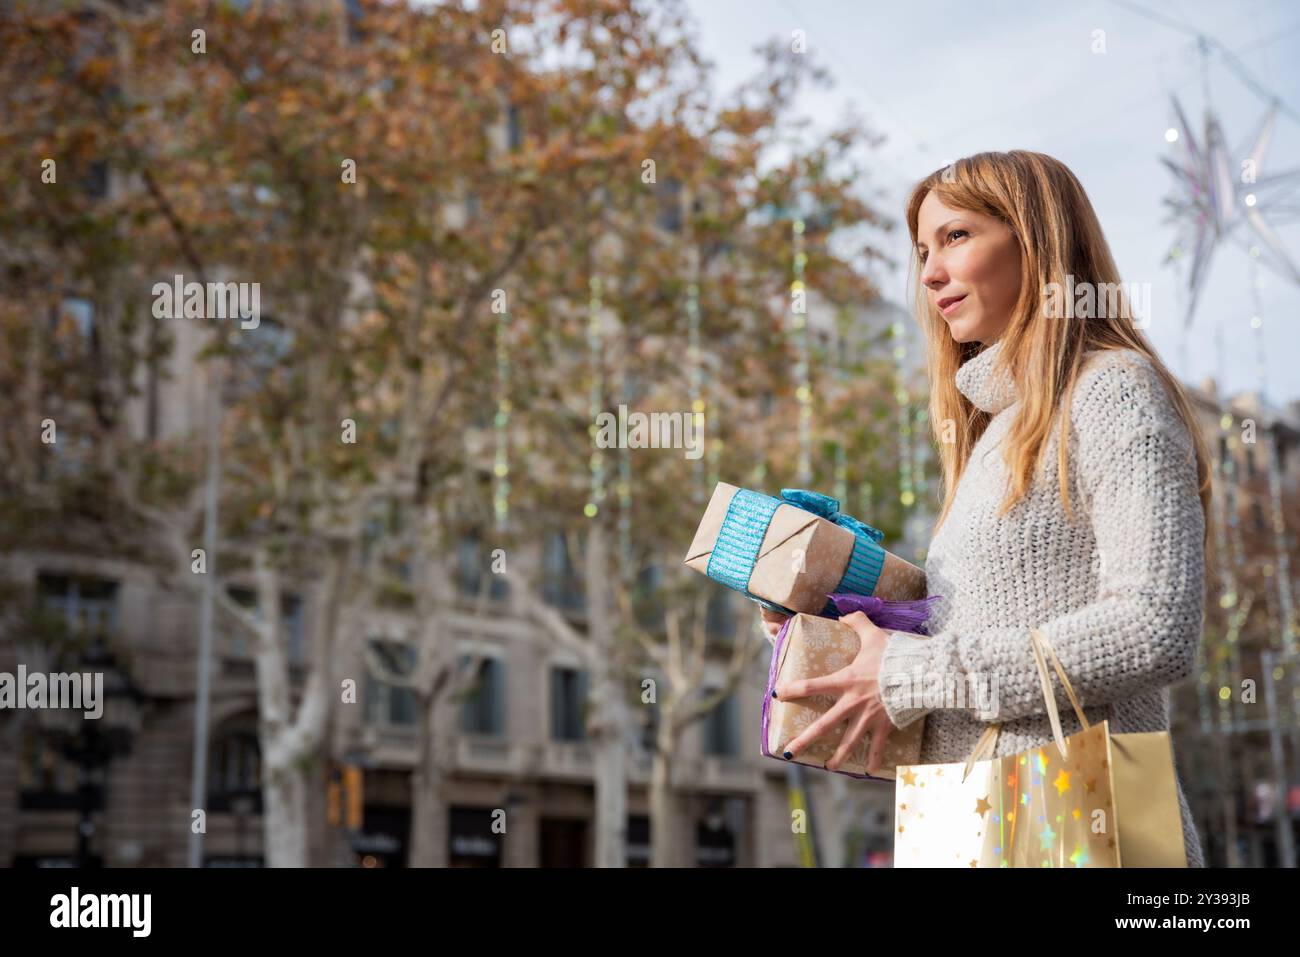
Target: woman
(1089,525)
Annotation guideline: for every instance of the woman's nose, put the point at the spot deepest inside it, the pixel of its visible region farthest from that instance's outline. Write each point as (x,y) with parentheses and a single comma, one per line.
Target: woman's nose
(932,273)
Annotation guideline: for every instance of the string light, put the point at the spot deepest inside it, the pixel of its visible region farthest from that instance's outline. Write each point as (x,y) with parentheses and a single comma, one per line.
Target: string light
(597,495)
(501,422)
(802,370)
(906,489)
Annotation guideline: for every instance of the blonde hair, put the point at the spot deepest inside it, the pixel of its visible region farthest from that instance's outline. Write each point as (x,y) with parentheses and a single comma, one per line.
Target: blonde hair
(1047,209)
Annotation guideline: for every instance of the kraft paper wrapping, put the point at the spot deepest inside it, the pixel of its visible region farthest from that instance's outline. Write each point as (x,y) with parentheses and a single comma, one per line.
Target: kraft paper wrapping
(802,559)
(1093,799)
(813,647)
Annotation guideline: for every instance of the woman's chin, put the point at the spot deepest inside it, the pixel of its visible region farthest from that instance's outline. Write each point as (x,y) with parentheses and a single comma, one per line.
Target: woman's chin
(962,331)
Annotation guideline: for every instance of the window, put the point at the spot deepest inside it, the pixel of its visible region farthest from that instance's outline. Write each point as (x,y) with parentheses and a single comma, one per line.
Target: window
(561,585)
(721,617)
(473,840)
(81,312)
(483,710)
(514,129)
(291,622)
(670,205)
(236,764)
(95,179)
(390,699)
(649,716)
(721,735)
(258,357)
(48,780)
(355,14)
(638,840)
(72,330)
(235,772)
(568,704)
(649,602)
(715,836)
(83,605)
(42,767)
(472,563)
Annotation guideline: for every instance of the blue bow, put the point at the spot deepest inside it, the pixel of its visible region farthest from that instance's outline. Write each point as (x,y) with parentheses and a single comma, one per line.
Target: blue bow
(829,509)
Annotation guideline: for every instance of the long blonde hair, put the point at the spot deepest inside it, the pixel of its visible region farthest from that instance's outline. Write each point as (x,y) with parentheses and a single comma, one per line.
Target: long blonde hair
(1048,211)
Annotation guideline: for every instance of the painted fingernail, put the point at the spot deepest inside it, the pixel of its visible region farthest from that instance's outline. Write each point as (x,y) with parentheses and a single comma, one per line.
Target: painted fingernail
(773,692)
(788,755)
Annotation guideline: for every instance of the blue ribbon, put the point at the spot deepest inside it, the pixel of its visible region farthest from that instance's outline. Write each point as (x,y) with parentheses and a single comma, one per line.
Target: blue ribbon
(750,513)
(829,509)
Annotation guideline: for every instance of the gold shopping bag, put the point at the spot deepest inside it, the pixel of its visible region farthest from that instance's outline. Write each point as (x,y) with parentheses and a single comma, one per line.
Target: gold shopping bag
(1095,800)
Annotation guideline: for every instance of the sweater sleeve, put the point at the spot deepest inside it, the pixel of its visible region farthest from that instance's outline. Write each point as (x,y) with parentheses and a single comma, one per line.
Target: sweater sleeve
(1137,477)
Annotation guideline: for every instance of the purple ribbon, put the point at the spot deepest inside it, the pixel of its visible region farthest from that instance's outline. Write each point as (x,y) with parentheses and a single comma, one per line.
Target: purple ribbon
(909,616)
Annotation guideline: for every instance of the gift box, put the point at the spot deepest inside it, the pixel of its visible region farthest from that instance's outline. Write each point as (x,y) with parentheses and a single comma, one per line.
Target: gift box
(790,553)
(1094,799)
(809,646)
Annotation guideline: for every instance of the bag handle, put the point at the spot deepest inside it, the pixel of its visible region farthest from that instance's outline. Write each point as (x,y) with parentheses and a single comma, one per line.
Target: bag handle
(1042,649)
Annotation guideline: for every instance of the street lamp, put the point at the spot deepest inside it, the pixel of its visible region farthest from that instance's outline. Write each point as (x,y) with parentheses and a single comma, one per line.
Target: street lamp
(92,743)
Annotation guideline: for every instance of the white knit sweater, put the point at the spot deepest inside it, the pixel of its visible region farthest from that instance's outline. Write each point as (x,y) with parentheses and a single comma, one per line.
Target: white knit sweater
(1119,593)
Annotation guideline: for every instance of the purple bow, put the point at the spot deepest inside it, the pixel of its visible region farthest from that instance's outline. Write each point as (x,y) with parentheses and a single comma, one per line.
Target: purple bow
(890,615)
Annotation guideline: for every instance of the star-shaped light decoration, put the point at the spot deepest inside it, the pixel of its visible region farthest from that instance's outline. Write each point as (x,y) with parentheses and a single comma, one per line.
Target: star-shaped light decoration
(1062,782)
(1216,190)
(1047,837)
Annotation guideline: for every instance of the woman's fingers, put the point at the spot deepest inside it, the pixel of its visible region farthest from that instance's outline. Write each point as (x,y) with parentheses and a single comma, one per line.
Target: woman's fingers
(863,625)
(804,687)
(880,731)
(815,730)
(772,621)
(850,741)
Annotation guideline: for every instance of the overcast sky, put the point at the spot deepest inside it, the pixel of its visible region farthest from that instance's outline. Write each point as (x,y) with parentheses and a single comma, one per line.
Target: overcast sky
(947,78)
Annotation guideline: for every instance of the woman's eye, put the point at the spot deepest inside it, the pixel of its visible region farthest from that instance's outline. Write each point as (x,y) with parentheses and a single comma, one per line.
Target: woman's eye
(956,232)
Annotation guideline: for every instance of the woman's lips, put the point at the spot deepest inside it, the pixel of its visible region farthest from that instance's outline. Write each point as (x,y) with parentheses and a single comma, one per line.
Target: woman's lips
(946,306)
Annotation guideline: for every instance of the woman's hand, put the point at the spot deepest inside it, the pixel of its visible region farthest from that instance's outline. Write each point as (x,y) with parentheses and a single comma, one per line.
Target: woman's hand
(772,621)
(857,690)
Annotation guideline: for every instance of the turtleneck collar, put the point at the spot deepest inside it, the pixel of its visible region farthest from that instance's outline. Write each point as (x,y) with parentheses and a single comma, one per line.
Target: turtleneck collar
(989,389)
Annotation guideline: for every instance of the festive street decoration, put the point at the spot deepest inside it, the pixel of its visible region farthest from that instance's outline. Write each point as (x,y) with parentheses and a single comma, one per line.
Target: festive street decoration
(1216,191)
(597,493)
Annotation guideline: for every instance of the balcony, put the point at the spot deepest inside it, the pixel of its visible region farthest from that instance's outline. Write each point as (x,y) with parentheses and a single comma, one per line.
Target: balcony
(570,760)
(486,754)
(639,767)
(390,745)
(728,773)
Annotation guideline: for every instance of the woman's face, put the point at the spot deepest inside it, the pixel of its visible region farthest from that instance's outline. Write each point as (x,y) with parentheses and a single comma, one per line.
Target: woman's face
(970,266)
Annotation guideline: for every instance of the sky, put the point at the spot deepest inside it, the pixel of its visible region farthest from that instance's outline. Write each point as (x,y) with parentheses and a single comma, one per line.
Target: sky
(945,79)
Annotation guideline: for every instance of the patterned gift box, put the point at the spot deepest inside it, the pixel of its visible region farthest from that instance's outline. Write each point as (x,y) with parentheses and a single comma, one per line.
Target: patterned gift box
(790,553)
(809,646)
